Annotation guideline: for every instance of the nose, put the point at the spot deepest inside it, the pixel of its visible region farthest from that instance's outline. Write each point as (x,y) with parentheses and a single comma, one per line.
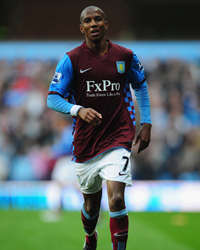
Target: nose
(93,22)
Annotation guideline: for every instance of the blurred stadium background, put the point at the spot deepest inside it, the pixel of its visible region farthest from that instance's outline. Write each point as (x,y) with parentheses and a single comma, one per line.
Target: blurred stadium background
(35,143)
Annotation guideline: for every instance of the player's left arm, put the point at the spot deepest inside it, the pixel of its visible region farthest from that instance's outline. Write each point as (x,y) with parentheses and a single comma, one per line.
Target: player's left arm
(140,86)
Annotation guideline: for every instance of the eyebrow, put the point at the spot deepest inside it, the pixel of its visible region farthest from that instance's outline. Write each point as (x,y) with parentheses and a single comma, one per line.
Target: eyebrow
(102,14)
(96,15)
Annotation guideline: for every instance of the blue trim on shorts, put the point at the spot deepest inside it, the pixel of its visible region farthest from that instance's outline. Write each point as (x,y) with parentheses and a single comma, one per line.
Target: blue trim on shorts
(120,213)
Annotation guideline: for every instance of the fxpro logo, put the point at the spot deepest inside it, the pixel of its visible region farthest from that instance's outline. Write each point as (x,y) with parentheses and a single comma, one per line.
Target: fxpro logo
(103,86)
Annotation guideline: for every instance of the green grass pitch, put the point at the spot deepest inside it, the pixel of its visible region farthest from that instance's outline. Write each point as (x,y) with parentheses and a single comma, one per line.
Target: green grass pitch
(25,230)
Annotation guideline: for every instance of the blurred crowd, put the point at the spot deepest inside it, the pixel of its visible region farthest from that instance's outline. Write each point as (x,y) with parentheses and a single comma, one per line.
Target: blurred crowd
(33,138)
(174,152)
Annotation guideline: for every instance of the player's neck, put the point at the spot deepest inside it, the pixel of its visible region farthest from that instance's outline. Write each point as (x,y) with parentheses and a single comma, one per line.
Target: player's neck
(99,47)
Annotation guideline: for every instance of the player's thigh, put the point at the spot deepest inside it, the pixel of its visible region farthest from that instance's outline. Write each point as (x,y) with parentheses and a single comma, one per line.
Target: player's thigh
(116,166)
(88,177)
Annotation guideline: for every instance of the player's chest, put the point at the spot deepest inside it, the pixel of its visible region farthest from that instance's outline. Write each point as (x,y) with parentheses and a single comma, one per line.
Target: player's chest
(101,68)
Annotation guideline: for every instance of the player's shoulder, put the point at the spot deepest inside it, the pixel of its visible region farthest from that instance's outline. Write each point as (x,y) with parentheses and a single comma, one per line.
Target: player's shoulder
(75,51)
(75,54)
(121,49)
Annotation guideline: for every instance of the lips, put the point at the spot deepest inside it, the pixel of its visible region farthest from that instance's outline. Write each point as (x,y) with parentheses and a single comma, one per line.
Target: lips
(95,32)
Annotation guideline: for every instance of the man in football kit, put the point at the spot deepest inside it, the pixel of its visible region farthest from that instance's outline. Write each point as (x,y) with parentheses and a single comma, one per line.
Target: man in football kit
(92,83)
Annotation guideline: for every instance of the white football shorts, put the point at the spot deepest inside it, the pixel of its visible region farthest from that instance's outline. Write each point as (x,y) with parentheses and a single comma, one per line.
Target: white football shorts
(113,165)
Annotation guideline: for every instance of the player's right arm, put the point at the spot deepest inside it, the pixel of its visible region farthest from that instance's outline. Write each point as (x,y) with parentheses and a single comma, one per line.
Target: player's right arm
(61,87)
(90,115)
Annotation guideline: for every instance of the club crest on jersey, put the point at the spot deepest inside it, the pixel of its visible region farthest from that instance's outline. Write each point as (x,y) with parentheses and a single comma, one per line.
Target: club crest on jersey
(120,66)
(56,78)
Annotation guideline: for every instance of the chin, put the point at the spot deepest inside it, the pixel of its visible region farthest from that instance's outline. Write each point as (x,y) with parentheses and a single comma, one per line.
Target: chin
(96,39)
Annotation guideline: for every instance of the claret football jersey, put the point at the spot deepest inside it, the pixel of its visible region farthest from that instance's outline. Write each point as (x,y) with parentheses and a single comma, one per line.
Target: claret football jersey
(102,83)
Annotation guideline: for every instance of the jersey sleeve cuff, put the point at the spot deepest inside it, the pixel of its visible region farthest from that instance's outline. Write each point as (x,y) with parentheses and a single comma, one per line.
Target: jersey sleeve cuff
(74,110)
(142,123)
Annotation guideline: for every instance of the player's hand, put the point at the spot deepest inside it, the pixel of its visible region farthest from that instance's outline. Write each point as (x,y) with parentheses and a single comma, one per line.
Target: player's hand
(90,116)
(143,138)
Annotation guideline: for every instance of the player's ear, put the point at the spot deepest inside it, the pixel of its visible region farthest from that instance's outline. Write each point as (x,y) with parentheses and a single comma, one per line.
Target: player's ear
(81,29)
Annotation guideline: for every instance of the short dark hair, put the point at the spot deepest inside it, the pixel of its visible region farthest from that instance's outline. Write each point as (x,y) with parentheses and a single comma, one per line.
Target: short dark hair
(91,8)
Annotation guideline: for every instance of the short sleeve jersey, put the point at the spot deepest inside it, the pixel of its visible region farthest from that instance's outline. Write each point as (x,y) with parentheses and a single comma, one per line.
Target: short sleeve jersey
(102,83)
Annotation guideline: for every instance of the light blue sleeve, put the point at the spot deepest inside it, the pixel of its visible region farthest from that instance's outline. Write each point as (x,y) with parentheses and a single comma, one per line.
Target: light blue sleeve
(136,75)
(142,97)
(62,79)
(60,86)
(58,104)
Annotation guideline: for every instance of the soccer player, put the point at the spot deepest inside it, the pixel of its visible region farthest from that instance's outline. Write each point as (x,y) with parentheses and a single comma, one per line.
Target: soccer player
(92,83)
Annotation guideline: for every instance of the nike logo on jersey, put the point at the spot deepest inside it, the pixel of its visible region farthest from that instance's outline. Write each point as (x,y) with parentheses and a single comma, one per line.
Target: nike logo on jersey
(84,70)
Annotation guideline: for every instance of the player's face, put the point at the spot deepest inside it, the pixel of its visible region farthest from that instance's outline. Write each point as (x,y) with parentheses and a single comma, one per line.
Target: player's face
(93,25)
